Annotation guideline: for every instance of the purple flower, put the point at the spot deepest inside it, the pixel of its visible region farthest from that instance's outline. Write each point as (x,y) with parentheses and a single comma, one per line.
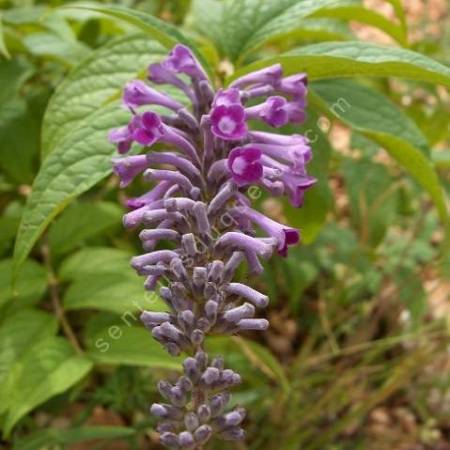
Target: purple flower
(147,129)
(137,93)
(122,138)
(295,85)
(284,235)
(269,75)
(296,185)
(182,60)
(277,111)
(245,165)
(128,168)
(227,97)
(228,122)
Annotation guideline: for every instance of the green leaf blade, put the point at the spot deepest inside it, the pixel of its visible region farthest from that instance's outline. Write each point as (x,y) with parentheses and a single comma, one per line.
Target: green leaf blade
(350,59)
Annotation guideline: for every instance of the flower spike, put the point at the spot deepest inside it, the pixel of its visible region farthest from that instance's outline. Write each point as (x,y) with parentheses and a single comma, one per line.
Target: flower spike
(198,205)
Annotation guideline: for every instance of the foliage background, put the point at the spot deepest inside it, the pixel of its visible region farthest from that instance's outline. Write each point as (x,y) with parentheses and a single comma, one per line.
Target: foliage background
(357,356)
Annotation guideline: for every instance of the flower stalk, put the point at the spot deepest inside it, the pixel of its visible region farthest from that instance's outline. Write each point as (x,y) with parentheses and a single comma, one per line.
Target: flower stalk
(198,226)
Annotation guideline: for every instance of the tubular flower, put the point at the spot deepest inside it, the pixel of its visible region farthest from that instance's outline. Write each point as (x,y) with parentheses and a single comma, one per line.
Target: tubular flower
(198,204)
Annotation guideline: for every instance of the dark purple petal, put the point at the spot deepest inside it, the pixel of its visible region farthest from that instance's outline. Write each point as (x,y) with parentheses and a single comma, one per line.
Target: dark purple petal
(245,165)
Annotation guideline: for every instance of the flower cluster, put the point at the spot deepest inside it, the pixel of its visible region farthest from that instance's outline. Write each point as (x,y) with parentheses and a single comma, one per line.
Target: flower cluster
(197,224)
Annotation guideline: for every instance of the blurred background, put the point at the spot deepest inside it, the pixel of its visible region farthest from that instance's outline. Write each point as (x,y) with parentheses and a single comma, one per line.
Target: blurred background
(358,352)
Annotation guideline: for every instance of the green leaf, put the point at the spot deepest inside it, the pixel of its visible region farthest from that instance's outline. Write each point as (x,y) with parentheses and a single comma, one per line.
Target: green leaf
(441,159)
(52,46)
(367,16)
(158,30)
(311,30)
(83,221)
(49,368)
(3,48)
(247,24)
(30,285)
(121,342)
(348,59)
(400,12)
(18,332)
(98,260)
(119,292)
(58,436)
(370,113)
(367,109)
(80,161)
(94,83)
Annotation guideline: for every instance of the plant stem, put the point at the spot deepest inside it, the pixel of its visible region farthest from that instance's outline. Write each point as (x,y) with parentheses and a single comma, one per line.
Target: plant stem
(56,301)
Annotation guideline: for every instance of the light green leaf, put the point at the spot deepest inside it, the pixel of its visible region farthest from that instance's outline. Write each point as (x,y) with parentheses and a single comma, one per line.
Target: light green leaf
(370,113)
(441,159)
(98,260)
(359,13)
(18,332)
(348,59)
(118,292)
(30,285)
(368,109)
(82,221)
(58,436)
(80,161)
(49,368)
(94,83)
(400,12)
(121,342)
